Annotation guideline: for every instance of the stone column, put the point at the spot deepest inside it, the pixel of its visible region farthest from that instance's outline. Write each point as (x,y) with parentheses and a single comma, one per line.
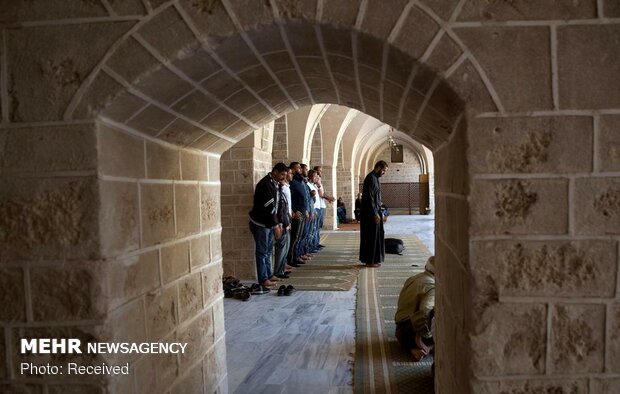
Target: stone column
(280,141)
(242,166)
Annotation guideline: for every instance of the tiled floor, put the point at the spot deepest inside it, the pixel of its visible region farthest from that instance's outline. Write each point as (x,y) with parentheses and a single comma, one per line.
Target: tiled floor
(303,343)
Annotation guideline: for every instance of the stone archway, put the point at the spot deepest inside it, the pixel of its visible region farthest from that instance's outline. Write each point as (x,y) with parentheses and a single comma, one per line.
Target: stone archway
(154,92)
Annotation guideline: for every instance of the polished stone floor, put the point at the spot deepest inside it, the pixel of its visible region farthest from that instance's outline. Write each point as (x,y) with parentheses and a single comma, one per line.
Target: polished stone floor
(304,343)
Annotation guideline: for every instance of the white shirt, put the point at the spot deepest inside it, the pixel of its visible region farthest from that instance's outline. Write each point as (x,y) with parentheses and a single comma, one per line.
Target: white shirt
(317,199)
(321,193)
(286,190)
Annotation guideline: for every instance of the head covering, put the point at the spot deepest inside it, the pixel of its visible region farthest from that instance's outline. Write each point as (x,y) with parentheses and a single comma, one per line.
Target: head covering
(430,265)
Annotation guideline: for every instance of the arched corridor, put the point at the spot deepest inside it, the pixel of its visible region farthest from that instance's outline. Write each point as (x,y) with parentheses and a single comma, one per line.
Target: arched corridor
(118,119)
(323,341)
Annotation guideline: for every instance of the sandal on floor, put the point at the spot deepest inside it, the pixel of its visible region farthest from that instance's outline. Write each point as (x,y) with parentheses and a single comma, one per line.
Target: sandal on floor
(289,290)
(281,290)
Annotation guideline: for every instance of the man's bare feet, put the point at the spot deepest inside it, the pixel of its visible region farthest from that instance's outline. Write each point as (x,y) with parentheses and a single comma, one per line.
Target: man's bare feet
(268,283)
(275,279)
(418,354)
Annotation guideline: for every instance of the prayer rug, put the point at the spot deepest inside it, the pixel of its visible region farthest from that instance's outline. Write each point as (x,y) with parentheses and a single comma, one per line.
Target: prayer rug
(380,364)
(336,267)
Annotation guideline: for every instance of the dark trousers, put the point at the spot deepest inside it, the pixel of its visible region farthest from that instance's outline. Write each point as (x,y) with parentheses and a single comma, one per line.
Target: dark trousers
(297,226)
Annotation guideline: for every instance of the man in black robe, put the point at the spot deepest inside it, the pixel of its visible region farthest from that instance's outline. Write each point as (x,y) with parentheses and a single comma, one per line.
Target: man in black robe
(372,246)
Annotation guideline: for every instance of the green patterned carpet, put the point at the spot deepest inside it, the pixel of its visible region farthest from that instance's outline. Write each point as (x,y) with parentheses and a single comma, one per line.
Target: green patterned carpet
(404,375)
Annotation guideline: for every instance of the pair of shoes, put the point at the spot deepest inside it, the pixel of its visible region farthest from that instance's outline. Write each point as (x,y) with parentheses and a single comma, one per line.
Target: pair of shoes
(230,281)
(258,289)
(242,294)
(285,276)
(286,290)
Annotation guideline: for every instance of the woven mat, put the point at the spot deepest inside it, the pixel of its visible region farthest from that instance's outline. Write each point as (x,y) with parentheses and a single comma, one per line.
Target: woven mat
(380,364)
(334,268)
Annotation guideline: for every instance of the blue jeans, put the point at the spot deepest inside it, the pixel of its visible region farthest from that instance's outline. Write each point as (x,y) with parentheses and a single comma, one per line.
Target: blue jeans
(319,224)
(263,238)
(282,247)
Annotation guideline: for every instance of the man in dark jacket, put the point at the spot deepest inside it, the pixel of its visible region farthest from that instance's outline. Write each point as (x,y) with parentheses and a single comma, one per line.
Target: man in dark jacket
(300,214)
(372,246)
(264,223)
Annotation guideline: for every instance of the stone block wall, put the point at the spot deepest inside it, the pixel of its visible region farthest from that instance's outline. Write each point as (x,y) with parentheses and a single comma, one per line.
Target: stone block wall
(407,171)
(343,176)
(242,166)
(316,148)
(161,235)
(453,270)
(280,141)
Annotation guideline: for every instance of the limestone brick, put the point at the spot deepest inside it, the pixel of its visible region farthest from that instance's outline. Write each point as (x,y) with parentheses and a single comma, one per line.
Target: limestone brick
(75,389)
(187,209)
(209,17)
(126,324)
(197,65)
(167,366)
(99,95)
(151,120)
(527,386)
(164,85)
(71,292)
(214,362)
(549,144)
(174,261)
(613,344)
(451,166)
(192,382)
(168,34)
(46,73)
(480,10)
(211,282)
(588,63)
(609,143)
(194,166)
(452,217)
(444,55)
(145,372)
(605,386)
(597,206)
(509,339)
(218,320)
(132,276)
(216,245)
(119,219)
(157,213)
(48,218)
(4,370)
(12,297)
(578,338)
(45,149)
(123,107)
(198,334)
(214,169)
(467,84)
(195,106)
(200,251)
(21,12)
(416,33)
(524,51)
(161,312)
(181,133)
(210,206)
(190,296)
(520,206)
(546,268)
(120,154)
(162,162)
(340,13)
(611,9)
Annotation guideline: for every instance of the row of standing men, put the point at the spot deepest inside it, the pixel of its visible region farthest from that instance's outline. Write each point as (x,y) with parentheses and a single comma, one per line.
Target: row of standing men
(287,214)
